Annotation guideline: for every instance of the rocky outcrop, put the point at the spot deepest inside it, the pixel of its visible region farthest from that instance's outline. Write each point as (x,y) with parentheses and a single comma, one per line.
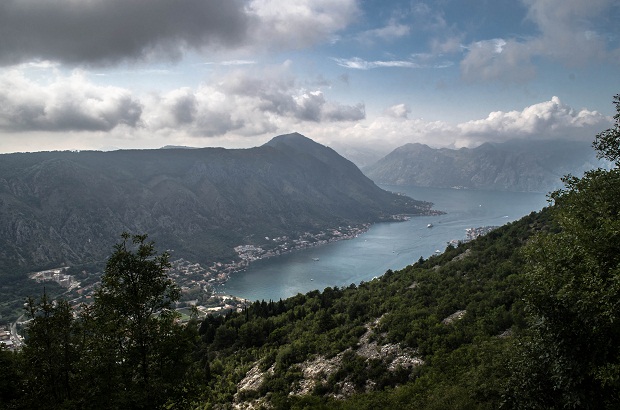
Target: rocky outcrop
(458,315)
(319,368)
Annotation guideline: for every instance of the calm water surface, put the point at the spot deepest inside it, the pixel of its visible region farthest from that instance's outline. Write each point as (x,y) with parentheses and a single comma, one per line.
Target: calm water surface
(385,246)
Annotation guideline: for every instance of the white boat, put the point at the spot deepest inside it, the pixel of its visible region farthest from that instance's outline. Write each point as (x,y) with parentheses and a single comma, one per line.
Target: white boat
(429,225)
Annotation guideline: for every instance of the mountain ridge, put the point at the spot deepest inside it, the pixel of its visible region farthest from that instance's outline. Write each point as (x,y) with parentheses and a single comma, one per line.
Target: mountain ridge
(530,166)
(69,207)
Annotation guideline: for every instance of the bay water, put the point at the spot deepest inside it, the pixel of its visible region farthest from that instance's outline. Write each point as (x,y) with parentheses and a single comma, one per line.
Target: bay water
(389,245)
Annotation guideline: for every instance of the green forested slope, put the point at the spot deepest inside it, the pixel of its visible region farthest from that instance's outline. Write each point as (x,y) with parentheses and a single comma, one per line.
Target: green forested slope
(484,278)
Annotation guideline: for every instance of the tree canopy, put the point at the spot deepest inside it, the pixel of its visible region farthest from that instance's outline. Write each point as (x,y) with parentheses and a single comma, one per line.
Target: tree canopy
(571,356)
(124,351)
(606,142)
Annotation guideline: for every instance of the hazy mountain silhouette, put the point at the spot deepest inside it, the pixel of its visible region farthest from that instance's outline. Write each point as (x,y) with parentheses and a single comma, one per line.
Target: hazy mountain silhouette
(517,165)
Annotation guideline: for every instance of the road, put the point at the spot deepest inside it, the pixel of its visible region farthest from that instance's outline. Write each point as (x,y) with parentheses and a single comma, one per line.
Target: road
(15,337)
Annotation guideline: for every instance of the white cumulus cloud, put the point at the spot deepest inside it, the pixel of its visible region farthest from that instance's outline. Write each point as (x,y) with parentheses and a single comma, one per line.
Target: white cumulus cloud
(246,102)
(66,103)
(398,111)
(549,119)
(545,120)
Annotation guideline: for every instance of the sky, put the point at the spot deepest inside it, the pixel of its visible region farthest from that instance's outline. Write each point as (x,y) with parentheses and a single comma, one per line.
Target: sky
(375,74)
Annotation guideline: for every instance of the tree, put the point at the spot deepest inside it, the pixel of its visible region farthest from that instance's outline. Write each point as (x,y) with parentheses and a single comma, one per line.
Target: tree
(137,350)
(571,357)
(51,353)
(10,378)
(607,142)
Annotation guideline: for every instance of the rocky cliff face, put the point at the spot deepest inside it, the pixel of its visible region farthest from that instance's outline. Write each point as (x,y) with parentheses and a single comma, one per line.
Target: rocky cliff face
(70,207)
(514,166)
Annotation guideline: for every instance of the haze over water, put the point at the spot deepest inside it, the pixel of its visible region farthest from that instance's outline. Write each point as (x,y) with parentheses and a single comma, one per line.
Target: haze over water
(385,246)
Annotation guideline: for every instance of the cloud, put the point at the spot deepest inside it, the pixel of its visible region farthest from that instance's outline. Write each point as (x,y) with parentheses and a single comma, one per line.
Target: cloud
(568,29)
(335,112)
(449,44)
(230,63)
(384,133)
(549,119)
(423,61)
(246,102)
(498,59)
(425,18)
(398,111)
(248,108)
(393,30)
(64,104)
(360,64)
(545,120)
(297,24)
(261,107)
(105,32)
(566,35)
(180,106)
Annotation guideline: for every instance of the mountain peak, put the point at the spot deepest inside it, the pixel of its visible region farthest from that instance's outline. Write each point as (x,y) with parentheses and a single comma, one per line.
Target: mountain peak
(293,140)
(297,143)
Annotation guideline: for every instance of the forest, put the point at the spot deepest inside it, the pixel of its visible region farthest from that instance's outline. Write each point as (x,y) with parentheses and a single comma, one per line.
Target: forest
(522,318)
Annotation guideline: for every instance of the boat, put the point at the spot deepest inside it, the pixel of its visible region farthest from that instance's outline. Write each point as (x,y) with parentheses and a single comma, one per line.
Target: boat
(429,225)
(315,259)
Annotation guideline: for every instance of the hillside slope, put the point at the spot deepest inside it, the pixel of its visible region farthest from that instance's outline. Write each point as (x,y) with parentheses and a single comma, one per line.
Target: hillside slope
(70,207)
(428,336)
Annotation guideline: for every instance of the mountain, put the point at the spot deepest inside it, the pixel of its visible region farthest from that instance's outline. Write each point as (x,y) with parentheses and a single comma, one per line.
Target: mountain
(516,165)
(70,207)
(362,156)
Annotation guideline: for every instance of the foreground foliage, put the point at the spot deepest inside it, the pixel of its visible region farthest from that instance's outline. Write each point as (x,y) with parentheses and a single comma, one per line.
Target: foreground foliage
(124,351)
(570,357)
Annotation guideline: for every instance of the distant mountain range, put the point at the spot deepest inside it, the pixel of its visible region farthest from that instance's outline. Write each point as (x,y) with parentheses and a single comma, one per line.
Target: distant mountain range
(70,207)
(517,165)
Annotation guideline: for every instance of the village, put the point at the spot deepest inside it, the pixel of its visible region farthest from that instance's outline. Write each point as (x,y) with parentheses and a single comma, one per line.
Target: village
(199,284)
(199,294)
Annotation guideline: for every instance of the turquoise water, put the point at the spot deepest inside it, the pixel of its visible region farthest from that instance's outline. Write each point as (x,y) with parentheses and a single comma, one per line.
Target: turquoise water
(385,246)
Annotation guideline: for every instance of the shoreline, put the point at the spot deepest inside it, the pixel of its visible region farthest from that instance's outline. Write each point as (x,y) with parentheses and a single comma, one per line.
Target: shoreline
(218,273)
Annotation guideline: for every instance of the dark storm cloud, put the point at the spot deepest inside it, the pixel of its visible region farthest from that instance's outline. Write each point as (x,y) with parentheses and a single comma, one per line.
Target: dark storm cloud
(184,109)
(108,31)
(69,117)
(340,112)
